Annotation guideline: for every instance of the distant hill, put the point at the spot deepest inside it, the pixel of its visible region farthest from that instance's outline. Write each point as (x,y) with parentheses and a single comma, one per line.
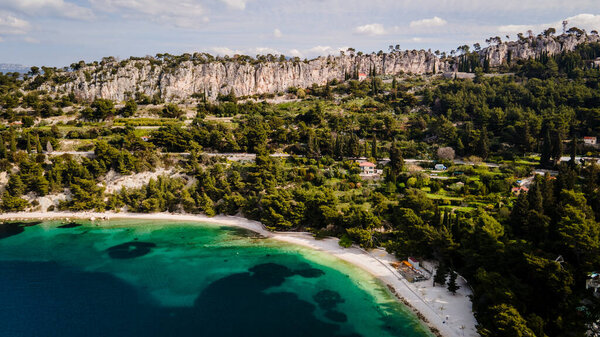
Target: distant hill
(12,68)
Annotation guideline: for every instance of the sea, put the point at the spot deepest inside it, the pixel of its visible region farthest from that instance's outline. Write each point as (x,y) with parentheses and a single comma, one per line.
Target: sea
(171,278)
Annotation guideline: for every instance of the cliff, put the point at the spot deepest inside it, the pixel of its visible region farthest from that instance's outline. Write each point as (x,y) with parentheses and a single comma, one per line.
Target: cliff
(177,81)
(532,47)
(117,80)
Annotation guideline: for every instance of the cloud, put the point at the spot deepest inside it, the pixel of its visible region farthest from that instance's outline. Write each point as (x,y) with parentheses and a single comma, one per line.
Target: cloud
(428,23)
(277,33)
(583,21)
(11,25)
(236,4)
(306,53)
(59,8)
(179,13)
(247,51)
(370,29)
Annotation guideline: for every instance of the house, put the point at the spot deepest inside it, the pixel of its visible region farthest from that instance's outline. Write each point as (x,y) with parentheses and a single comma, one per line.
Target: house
(362,76)
(367,167)
(145,138)
(518,190)
(589,140)
(440,167)
(17,123)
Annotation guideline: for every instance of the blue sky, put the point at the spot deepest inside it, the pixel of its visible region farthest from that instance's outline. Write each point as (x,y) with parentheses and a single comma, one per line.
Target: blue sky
(60,32)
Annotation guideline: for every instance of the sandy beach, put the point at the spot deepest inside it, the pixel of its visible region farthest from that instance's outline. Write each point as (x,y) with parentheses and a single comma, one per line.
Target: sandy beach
(449,315)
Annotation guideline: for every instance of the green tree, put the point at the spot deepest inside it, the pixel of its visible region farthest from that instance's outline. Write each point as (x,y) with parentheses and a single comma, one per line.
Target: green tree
(452,286)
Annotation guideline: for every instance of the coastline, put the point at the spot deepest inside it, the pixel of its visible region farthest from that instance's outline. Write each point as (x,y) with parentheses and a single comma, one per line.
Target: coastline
(456,320)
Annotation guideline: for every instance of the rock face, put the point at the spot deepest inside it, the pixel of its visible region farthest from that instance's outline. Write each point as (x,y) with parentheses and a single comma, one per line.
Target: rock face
(532,47)
(120,80)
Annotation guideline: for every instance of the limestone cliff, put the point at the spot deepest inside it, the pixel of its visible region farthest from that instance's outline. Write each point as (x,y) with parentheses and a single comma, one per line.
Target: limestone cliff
(532,47)
(117,80)
(178,81)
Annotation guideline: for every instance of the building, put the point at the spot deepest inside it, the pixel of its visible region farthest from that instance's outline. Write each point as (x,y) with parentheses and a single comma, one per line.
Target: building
(367,168)
(362,76)
(440,167)
(518,190)
(589,140)
(145,138)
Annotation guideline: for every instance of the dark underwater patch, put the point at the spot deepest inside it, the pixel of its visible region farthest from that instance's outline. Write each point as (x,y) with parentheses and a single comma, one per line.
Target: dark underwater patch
(70,225)
(9,229)
(336,316)
(130,250)
(309,272)
(328,299)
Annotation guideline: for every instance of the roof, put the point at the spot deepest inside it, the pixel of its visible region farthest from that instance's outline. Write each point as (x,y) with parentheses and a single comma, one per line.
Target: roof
(362,74)
(366,164)
(589,137)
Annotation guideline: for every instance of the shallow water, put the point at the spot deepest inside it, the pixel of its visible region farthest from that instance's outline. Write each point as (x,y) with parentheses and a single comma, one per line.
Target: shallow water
(152,278)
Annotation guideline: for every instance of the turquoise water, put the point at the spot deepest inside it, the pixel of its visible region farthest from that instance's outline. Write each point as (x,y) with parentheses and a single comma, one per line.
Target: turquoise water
(151,278)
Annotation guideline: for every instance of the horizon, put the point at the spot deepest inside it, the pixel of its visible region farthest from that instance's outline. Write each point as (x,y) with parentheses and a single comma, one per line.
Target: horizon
(59,32)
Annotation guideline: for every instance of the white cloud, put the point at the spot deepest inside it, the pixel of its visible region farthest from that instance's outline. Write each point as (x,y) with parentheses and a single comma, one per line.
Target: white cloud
(583,21)
(277,33)
(236,4)
(53,7)
(295,53)
(10,24)
(306,53)
(248,51)
(179,13)
(371,29)
(428,23)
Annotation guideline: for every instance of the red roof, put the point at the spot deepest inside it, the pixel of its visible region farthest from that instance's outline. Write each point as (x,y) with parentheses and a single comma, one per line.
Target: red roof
(589,137)
(362,74)
(366,163)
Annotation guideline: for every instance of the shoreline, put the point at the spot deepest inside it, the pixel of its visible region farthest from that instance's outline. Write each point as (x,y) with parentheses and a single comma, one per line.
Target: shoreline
(376,262)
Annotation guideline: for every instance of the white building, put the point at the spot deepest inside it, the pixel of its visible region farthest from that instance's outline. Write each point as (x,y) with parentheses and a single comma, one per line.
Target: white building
(367,168)
(589,140)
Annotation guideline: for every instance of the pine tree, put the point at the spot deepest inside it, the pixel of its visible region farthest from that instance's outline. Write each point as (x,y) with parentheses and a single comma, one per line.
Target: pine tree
(452,286)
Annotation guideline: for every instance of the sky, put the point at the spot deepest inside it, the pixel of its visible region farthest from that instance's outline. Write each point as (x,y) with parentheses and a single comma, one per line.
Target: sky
(61,32)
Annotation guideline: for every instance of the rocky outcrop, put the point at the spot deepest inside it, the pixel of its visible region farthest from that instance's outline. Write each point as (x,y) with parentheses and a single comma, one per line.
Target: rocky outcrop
(178,81)
(532,47)
(117,80)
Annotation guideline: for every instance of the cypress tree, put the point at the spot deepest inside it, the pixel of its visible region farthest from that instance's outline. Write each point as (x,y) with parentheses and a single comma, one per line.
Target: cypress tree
(546,149)
(28,146)
(38,145)
(452,286)
(483,146)
(557,147)
(440,275)
(2,148)
(13,141)
(374,146)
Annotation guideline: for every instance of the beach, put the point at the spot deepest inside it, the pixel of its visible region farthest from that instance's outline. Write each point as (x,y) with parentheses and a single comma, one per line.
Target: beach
(447,315)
